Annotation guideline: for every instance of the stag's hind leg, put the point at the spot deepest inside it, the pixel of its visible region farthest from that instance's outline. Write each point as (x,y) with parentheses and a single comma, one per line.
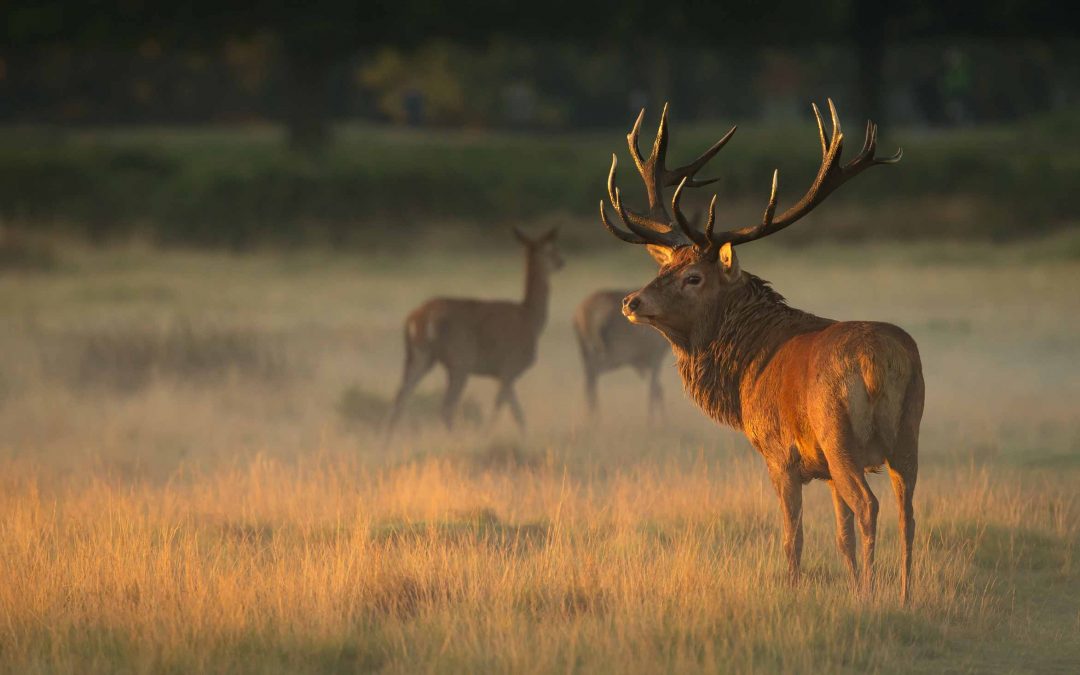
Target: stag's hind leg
(851,482)
(903,480)
(845,531)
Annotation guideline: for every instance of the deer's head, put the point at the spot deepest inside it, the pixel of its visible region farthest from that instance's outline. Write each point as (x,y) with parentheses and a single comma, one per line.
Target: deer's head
(698,268)
(541,249)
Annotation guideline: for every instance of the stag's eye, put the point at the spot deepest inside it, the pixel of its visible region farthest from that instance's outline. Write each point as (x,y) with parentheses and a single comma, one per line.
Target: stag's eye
(692,280)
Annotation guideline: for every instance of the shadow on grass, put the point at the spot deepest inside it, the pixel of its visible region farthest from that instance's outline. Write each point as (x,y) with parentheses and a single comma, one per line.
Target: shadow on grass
(1002,548)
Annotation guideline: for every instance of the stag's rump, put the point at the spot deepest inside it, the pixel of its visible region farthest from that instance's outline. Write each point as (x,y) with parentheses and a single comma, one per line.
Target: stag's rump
(481,337)
(866,388)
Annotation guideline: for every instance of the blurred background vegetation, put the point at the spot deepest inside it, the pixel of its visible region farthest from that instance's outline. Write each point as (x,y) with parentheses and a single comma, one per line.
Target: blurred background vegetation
(200,124)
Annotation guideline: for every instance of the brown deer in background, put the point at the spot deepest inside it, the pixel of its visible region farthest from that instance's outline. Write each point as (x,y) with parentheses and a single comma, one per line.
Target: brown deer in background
(608,341)
(818,398)
(490,338)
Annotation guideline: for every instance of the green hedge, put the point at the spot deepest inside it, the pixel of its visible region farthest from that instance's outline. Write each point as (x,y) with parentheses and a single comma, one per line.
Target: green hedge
(240,187)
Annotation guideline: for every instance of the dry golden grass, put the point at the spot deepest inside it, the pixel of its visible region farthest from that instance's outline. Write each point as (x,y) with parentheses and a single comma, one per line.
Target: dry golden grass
(240,523)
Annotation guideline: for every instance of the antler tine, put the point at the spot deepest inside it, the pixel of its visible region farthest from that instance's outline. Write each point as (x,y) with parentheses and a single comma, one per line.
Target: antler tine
(632,141)
(830,176)
(659,148)
(770,210)
(642,230)
(712,218)
(820,130)
(653,236)
(674,176)
(692,234)
(625,236)
(657,226)
(638,224)
(837,132)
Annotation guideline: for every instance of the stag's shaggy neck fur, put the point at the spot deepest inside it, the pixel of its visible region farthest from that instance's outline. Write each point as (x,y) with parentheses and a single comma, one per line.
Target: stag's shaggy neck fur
(734,342)
(537,290)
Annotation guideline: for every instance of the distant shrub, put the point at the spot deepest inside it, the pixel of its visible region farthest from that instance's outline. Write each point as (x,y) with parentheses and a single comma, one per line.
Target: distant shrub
(20,253)
(129,358)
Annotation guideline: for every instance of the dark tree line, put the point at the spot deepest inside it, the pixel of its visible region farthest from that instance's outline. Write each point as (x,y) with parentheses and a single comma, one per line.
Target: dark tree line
(316,37)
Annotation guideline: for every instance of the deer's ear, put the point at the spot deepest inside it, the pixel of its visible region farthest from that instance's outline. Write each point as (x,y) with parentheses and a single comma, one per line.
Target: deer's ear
(551,235)
(521,236)
(661,254)
(729,264)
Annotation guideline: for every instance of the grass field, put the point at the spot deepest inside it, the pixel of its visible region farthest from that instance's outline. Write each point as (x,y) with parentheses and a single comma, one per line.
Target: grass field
(190,479)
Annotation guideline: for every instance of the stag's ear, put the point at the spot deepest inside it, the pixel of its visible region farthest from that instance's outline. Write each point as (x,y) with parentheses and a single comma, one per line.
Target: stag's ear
(551,234)
(661,254)
(522,237)
(729,264)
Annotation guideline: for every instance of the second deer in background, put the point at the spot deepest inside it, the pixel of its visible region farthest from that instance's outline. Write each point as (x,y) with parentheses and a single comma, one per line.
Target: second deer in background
(492,338)
(608,342)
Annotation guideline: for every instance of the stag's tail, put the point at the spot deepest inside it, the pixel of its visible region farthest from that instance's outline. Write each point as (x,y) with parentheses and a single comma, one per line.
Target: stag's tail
(887,368)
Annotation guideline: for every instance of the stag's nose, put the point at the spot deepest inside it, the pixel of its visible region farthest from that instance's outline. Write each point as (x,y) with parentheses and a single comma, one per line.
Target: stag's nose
(631,302)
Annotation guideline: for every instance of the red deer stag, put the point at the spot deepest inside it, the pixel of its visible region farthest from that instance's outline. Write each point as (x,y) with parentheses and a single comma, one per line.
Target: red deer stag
(817,398)
(480,337)
(608,341)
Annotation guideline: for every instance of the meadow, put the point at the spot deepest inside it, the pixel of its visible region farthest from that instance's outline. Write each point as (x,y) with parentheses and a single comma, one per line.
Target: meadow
(191,477)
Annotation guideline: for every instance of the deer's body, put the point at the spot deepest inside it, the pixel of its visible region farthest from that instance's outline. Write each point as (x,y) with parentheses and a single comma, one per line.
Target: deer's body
(819,399)
(489,338)
(608,342)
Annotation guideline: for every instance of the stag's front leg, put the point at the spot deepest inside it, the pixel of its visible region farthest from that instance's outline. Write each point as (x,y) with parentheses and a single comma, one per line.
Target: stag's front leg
(789,488)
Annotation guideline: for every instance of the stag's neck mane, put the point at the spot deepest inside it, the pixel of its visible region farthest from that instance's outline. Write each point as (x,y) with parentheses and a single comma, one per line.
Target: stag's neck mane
(734,343)
(537,291)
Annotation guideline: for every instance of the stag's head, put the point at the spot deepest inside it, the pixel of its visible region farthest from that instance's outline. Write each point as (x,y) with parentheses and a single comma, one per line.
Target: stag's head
(541,249)
(698,268)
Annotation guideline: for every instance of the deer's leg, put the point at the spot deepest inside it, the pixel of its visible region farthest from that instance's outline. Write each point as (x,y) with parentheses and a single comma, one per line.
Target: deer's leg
(502,397)
(499,401)
(856,492)
(455,384)
(515,406)
(417,364)
(789,489)
(591,400)
(506,396)
(845,531)
(903,482)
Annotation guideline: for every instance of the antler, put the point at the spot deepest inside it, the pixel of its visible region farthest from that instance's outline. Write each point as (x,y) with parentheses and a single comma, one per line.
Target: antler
(656,227)
(652,230)
(830,176)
